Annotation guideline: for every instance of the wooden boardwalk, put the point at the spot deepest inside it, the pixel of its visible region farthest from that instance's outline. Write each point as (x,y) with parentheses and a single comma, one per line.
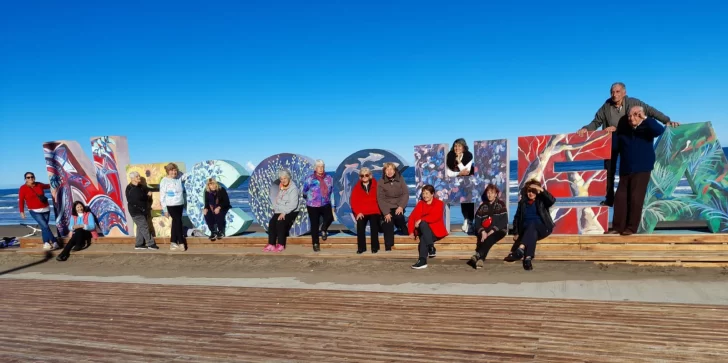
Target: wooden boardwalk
(53,321)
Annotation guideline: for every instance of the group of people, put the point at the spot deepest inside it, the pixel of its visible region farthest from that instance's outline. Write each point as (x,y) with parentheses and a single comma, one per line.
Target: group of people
(381,204)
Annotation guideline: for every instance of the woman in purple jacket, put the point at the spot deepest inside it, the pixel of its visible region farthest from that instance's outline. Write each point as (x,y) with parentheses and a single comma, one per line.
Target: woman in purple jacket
(317,189)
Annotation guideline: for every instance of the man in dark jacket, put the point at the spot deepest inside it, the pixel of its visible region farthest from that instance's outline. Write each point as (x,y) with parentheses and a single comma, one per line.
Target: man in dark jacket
(138,198)
(608,117)
(635,141)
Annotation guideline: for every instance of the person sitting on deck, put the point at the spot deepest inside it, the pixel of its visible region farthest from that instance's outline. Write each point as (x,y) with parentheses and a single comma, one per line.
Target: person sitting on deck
(217,204)
(491,219)
(426,222)
(531,223)
(83,225)
(284,201)
(392,197)
(365,208)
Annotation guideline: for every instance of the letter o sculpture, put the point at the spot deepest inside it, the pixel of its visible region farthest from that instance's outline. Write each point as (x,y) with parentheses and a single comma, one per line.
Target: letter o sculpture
(347,176)
(266,174)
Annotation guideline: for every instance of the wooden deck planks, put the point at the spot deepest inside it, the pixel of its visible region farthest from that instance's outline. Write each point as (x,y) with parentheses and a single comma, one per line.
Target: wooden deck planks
(72,321)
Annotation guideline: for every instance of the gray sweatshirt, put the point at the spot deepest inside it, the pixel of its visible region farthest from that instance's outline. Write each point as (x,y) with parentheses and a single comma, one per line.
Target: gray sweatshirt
(608,115)
(284,201)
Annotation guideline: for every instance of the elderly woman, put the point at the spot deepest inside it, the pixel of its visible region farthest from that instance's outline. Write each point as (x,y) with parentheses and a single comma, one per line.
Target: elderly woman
(491,220)
(32,193)
(426,222)
(365,208)
(138,198)
(171,196)
(216,207)
(318,189)
(392,197)
(531,223)
(460,163)
(284,202)
(83,226)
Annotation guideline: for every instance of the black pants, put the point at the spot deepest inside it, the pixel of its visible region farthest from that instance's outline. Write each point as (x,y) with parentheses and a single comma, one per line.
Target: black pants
(79,239)
(361,232)
(629,201)
(278,230)
(484,245)
(216,222)
(427,239)
(177,233)
(315,215)
(532,233)
(468,210)
(611,166)
(388,227)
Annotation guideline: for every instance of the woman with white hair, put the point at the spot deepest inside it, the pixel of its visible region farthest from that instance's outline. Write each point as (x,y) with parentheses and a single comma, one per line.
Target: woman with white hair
(365,208)
(139,198)
(318,188)
(284,202)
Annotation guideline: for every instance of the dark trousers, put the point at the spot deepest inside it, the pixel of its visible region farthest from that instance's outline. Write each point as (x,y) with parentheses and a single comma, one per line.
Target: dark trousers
(611,166)
(483,246)
(427,240)
(468,210)
(388,227)
(177,233)
(532,233)
(278,230)
(629,200)
(361,232)
(79,238)
(316,215)
(216,222)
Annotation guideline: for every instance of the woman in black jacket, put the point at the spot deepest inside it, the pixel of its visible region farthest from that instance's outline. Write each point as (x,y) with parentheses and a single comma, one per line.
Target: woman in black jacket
(531,223)
(139,200)
(460,163)
(491,220)
(217,205)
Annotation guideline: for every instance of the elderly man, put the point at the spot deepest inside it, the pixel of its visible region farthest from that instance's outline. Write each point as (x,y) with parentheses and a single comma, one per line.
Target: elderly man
(635,140)
(608,117)
(138,198)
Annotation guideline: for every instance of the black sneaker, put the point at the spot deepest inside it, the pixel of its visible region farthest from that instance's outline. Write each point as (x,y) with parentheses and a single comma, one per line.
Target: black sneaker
(360,252)
(213,237)
(220,235)
(432,252)
(153,247)
(375,251)
(527,265)
(420,264)
(473,262)
(388,249)
(510,258)
(518,254)
(316,247)
(324,235)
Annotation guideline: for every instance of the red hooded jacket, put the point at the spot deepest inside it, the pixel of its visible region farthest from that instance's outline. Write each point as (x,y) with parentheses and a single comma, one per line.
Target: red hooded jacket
(430,213)
(363,202)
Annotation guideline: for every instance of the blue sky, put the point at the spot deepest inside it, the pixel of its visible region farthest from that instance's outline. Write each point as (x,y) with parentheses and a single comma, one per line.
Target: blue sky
(242,81)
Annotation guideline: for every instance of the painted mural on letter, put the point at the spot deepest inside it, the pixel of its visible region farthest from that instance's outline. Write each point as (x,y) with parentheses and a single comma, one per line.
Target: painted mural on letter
(347,175)
(692,151)
(265,174)
(537,156)
(97,183)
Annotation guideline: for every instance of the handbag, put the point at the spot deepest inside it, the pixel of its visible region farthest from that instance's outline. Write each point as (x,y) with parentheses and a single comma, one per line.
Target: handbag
(43,199)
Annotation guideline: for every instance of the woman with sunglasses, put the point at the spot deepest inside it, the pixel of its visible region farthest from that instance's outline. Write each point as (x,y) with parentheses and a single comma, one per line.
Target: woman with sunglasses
(531,223)
(33,194)
(365,208)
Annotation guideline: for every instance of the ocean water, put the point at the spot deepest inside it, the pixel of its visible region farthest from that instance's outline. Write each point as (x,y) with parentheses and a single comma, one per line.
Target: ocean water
(239,197)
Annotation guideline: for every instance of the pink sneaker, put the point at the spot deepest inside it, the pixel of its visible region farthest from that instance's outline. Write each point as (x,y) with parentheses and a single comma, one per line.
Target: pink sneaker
(280,248)
(269,248)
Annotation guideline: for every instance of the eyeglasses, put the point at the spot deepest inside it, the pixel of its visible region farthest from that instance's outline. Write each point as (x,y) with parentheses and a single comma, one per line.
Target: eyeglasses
(29,177)
(534,191)
(363,175)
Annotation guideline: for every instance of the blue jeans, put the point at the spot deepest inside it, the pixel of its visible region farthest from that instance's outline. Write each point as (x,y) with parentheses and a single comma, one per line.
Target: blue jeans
(42,220)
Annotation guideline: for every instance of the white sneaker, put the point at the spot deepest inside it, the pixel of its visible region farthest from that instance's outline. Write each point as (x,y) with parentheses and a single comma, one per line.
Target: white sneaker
(56,246)
(173,247)
(47,246)
(466,226)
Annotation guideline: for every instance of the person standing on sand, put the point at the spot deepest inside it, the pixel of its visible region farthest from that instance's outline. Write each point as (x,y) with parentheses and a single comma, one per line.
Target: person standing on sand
(426,222)
(608,117)
(318,189)
(531,223)
(33,194)
(635,140)
(138,198)
(171,196)
(460,163)
(392,197)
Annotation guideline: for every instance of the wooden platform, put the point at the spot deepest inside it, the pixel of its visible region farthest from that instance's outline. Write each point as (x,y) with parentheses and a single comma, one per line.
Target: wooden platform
(53,321)
(688,249)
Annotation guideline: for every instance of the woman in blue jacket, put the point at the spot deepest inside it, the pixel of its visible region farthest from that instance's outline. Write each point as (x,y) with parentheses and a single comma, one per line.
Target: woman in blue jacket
(83,225)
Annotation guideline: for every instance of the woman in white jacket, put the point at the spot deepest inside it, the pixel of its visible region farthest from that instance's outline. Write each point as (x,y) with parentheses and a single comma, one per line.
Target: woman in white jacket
(171,196)
(460,163)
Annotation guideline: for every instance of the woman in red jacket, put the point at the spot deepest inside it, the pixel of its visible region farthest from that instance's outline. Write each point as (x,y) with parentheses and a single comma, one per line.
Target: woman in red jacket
(33,194)
(365,208)
(427,223)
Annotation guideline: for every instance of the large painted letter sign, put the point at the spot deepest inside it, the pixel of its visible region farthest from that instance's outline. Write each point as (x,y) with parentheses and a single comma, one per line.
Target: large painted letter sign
(98,184)
(692,151)
(536,158)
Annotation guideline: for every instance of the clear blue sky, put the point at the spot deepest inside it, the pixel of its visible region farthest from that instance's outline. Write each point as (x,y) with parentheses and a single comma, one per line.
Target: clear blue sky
(195,81)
